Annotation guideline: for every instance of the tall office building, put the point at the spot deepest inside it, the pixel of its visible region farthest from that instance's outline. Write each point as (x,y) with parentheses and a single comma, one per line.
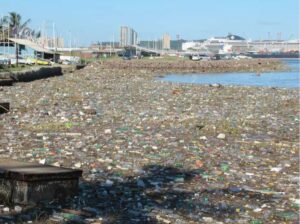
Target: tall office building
(166,42)
(128,36)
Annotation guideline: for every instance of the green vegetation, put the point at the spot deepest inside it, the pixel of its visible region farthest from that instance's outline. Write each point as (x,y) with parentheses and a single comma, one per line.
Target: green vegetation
(14,68)
(13,26)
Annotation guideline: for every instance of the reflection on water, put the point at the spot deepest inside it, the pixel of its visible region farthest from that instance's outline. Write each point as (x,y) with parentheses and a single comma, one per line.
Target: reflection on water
(287,79)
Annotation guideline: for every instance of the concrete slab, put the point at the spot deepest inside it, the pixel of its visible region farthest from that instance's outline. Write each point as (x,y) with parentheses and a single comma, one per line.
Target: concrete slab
(24,171)
(22,182)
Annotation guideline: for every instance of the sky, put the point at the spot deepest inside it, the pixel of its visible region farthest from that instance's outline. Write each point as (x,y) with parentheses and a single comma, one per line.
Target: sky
(87,21)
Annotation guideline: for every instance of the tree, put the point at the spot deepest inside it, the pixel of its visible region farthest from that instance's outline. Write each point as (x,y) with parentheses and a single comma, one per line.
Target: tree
(17,27)
(3,21)
(3,26)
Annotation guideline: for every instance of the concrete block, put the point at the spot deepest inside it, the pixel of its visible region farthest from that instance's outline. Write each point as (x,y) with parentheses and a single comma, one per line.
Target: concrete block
(35,74)
(6,82)
(25,183)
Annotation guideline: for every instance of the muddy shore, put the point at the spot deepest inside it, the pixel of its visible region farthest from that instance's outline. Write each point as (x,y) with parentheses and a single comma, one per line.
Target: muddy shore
(156,152)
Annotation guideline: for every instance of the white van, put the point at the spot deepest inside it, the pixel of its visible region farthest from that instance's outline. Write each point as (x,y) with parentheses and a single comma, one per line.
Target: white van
(200,57)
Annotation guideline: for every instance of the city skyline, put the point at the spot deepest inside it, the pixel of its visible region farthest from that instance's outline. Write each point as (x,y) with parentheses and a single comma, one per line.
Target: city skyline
(191,20)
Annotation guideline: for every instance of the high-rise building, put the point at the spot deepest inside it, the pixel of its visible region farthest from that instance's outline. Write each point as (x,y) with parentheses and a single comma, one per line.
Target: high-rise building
(128,36)
(166,42)
(123,36)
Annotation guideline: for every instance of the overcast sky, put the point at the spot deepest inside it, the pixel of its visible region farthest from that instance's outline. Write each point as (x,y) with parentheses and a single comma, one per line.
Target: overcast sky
(88,21)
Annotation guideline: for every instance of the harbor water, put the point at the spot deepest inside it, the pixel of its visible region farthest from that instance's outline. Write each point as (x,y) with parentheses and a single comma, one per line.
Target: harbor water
(284,79)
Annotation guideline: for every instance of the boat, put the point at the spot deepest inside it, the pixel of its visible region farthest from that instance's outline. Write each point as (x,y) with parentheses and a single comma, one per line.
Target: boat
(42,62)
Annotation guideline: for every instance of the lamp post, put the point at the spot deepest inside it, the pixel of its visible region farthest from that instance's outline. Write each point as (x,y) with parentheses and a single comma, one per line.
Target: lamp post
(178,44)
(17,54)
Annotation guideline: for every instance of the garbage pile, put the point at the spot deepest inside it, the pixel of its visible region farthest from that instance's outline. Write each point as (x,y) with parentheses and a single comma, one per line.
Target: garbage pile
(164,65)
(156,152)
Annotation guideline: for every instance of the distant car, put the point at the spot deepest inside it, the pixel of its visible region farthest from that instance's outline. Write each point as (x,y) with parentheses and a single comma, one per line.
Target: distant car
(195,58)
(223,57)
(238,57)
(127,57)
(67,60)
(200,57)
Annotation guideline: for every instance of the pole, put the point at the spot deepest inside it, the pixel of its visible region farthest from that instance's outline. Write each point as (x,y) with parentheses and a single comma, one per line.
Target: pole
(53,41)
(17,54)
(3,36)
(110,50)
(7,39)
(113,41)
(53,34)
(70,43)
(70,40)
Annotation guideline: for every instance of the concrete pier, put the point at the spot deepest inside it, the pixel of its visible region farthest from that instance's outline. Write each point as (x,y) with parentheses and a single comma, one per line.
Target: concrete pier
(8,78)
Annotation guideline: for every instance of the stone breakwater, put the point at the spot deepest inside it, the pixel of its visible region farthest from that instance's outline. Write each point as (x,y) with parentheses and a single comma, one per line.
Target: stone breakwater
(157,65)
(155,152)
